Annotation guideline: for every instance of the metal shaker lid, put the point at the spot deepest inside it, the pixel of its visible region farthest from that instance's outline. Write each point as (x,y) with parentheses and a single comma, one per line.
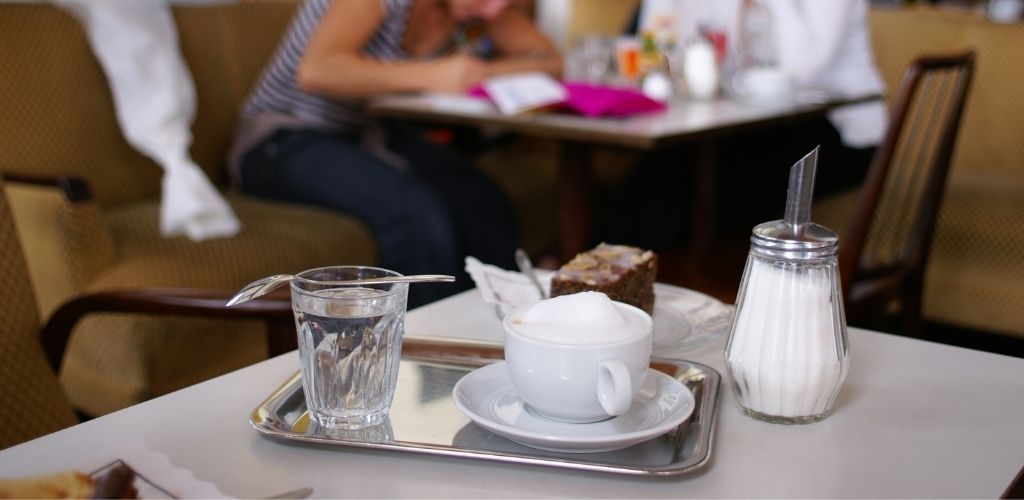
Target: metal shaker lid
(782,240)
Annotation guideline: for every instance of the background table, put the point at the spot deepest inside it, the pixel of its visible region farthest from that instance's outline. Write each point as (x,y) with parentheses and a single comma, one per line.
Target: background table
(698,123)
(914,419)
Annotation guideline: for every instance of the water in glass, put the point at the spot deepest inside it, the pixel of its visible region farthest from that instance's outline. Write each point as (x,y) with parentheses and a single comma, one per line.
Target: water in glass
(350,342)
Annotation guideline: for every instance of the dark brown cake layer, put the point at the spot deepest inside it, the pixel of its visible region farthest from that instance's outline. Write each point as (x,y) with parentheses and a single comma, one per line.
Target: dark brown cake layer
(623,273)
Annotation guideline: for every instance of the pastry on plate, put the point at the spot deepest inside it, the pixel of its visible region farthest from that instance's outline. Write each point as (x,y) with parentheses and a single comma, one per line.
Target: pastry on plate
(623,273)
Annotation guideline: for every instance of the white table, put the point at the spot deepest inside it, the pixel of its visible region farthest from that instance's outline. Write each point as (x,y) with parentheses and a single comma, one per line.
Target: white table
(915,419)
(699,124)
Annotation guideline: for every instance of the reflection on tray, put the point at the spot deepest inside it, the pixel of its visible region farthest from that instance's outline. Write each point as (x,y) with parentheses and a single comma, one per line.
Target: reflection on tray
(659,451)
(380,433)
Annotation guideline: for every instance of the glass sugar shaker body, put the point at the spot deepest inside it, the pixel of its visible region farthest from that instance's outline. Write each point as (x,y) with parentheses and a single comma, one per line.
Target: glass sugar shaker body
(787,350)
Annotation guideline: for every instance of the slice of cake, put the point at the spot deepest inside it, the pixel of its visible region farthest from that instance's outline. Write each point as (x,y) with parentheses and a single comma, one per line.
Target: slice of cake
(624,273)
(116,481)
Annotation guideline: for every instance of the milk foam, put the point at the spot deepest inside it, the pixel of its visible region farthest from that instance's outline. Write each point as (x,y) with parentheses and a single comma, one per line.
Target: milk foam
(585,318)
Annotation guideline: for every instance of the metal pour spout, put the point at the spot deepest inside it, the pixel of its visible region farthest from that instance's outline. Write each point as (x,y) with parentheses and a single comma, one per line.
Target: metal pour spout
(801,192)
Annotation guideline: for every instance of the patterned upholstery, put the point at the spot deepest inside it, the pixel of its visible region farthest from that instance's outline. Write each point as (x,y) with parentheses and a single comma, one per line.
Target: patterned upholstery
(58,120)
(30,395)
(70,243)
(57,90)
(974,277)
(589,17)
(58,113)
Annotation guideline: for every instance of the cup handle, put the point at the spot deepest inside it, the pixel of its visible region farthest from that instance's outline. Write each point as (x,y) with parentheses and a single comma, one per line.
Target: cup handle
(614,387)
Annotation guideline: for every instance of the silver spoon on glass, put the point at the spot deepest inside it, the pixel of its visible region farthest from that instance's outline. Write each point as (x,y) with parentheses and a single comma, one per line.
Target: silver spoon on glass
(264,285)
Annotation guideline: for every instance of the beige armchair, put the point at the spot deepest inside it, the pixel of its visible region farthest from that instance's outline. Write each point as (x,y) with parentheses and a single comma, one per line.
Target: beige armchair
(88,218)
(30,356)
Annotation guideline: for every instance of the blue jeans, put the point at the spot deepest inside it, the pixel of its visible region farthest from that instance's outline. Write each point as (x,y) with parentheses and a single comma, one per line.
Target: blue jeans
(425,218)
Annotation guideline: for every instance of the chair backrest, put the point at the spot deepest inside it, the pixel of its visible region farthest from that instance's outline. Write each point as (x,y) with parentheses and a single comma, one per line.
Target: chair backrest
(31,397)
(894,218)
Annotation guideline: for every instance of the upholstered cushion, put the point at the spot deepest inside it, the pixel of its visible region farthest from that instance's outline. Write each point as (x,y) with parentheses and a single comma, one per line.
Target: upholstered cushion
(117,360)
(990,137)
(974,276)
(58,115)
(976,272)
(30,396)
(69,242)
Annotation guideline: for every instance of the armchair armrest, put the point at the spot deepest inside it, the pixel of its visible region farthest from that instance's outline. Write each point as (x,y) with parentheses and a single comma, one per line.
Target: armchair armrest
(74,189)
(275,308)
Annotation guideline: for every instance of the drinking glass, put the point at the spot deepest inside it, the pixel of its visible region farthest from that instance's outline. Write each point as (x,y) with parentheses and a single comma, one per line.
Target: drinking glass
(596,54)
(350,343)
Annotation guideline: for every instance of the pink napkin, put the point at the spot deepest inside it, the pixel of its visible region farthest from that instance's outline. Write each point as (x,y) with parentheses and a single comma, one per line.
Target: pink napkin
(599,100)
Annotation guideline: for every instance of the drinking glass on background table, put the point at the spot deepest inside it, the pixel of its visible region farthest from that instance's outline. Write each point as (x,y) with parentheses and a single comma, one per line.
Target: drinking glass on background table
(350,343)
(592,58)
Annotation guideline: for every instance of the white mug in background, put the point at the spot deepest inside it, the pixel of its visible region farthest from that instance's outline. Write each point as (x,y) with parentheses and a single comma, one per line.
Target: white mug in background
(764,86)
(578,382)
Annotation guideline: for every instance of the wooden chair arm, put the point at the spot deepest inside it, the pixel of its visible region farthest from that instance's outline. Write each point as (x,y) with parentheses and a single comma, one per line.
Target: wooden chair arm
(74,189)
(275,308)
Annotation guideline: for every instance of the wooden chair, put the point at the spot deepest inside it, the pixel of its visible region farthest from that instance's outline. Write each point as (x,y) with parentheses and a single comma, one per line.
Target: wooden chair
(884,250)
(34,402)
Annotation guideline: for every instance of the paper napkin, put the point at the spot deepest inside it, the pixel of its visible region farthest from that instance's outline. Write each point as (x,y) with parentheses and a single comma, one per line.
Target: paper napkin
(507,289)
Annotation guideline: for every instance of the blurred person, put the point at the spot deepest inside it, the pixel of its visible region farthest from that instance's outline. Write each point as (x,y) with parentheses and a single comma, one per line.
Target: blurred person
(823,45)
(305,137)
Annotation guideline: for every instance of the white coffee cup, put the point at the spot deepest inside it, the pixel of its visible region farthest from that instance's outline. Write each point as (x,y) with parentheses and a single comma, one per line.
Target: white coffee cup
(578,382)
(769,85)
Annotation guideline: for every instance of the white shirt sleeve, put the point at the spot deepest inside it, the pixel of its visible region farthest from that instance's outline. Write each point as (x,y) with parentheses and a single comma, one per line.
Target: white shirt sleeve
(809,34)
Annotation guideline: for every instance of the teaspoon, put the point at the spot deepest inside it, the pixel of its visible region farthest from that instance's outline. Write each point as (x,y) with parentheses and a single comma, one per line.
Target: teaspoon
(526,267)
(264,285)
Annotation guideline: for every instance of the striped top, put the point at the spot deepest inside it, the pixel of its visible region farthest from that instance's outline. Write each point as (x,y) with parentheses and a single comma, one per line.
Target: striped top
(278,94)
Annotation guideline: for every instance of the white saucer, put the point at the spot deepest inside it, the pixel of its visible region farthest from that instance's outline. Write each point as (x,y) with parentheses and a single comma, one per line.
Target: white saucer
(487,397)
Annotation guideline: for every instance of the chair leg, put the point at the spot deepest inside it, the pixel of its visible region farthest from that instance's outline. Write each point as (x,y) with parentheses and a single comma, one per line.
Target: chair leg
(910,309)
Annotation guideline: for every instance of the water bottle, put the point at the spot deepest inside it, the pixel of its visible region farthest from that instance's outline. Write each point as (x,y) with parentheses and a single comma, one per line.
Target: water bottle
(756,37)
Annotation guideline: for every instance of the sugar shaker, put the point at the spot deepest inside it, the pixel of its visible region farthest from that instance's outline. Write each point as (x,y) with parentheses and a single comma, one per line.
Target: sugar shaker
(787,354)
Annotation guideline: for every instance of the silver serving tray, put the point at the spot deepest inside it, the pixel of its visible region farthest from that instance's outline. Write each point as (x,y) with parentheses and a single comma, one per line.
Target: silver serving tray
(424,419)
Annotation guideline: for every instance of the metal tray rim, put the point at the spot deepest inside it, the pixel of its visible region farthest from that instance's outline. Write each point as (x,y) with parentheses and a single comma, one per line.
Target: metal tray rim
(706,414)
